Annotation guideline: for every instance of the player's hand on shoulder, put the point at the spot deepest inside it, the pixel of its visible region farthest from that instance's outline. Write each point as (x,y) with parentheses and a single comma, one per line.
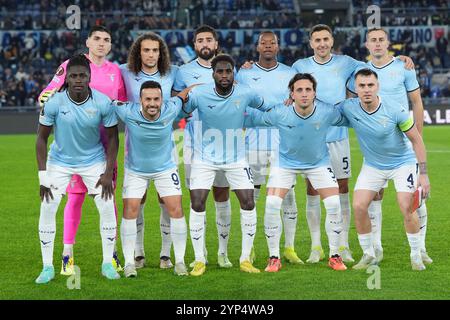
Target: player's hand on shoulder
(288,102)
(247,64)
(45,96)
(184,95)
(409,63)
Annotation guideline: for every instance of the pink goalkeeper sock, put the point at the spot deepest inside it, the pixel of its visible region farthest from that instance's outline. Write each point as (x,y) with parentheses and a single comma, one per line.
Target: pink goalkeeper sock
(72,216)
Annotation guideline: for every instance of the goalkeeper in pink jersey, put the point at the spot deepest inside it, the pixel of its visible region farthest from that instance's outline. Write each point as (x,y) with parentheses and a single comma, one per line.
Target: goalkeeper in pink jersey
(106,78)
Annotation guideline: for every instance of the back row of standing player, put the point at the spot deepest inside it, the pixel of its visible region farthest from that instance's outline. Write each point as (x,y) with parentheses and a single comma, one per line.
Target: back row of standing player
(149,60)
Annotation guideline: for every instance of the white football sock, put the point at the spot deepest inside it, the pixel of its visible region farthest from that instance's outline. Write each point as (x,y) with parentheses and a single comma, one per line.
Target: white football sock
(248,228)
(223,222)
(346,218)
(376,218)
(128,231)
(108,226)
(313,213)
(47,227)
(366,243)
(68,250)
(272,225)
(197,232)
(178,231)
(140,225)
(414,243)
(423,219)
(333,223)
(164,225)
(256,193)
(289,207)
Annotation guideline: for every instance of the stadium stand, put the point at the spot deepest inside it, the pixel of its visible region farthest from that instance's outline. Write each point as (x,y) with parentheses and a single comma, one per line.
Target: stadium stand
(35,39)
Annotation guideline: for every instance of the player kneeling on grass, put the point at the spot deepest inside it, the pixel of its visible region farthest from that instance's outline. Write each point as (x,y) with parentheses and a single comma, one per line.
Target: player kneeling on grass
(384,128)
(149,157)
(76,114)
(303,150)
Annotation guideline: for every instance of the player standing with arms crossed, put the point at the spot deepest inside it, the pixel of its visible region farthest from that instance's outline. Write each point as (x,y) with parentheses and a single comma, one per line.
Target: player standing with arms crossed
(106,78)
(76,114)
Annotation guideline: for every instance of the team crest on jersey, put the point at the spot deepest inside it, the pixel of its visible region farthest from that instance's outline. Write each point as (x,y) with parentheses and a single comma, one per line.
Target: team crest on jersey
(316,125)
(237,103)
(91,112)
(111,76)
(393,74)
(383,121)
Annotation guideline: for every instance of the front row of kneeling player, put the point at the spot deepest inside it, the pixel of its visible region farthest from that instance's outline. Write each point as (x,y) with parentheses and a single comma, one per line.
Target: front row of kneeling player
(382,126)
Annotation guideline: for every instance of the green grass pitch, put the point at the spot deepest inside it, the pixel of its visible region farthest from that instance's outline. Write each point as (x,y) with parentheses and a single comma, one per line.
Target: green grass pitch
(20,257)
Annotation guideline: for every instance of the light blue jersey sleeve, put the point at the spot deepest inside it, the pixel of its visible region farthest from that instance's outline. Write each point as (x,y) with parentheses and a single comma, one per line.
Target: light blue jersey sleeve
(49,112)
(192,102)
(179,83)
(341,121)
(109,118)
(175,104)
(337,118)
(256,101)
(262,118)
(121,109)
(404,120)
(411,83)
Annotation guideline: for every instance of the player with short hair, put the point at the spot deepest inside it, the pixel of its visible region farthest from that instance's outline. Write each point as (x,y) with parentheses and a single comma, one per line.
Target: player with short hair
(106,78)
(303,128)
(397,83)
(76,114)
(149,60)
(384,130)
(198,71)
(332,71)
(219,146)
(149,158)
(270,78)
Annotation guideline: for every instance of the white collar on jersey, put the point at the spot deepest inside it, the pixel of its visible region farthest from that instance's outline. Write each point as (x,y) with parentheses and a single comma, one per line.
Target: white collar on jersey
(78,103)
(383,66)
(309,115)
(149,74)
(376,109)
(331,57)
(266,69)
(202,65)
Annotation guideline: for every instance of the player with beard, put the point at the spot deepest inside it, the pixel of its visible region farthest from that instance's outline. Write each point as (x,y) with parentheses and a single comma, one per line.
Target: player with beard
(219,146)
(195,72)
(149,60)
